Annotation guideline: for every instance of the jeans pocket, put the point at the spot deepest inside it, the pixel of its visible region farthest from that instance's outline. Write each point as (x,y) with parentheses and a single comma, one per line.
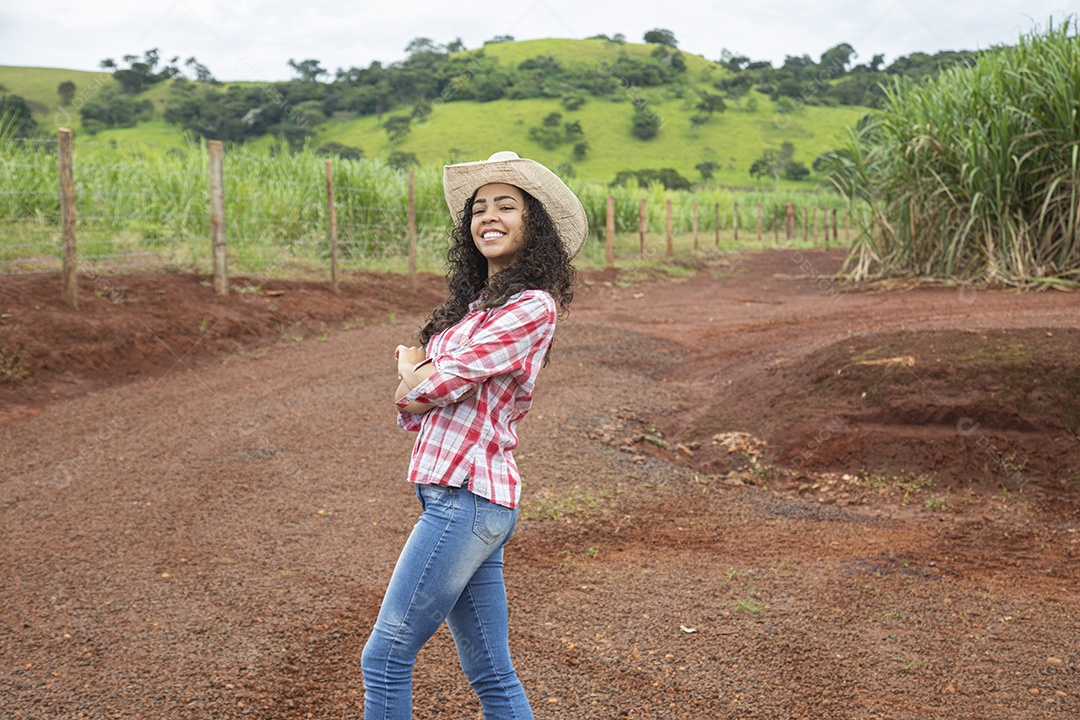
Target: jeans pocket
(492,523)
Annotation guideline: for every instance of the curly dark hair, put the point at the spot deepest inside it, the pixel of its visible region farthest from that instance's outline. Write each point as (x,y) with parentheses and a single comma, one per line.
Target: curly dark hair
(541,264)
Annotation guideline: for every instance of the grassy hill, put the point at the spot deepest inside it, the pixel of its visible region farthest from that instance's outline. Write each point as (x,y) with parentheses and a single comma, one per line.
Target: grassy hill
(467,130)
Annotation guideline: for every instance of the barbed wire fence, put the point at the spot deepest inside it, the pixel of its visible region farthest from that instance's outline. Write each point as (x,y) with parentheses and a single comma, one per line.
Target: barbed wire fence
(204,211)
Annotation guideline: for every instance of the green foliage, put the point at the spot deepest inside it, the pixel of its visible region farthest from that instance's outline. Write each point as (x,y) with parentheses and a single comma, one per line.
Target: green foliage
(565,170)
(796,171)
(974,176)
(147,205)
(336,149)
(669,178)
(552,120)
(660,36)
(779,163)
(397,127)
(548,138)
(573,101)
(141,73)
(832,80)
(402,160)
(646,123)
(66,91)
(242,112)
(16,119)
(112,109)
(707,169)
(711,103)
(307,70)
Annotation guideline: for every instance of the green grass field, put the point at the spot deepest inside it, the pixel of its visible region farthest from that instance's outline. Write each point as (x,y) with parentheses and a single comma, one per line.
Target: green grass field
(733,139)
(469,130)
(38,87)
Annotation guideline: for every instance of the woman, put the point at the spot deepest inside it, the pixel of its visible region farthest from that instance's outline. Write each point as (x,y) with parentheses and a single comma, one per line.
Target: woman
(465,390)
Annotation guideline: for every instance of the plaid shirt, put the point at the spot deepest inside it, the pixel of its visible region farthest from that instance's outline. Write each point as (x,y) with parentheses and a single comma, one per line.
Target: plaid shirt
(471,439)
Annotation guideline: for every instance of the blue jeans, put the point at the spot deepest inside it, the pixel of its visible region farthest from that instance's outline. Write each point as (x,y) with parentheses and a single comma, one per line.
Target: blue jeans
(451,569)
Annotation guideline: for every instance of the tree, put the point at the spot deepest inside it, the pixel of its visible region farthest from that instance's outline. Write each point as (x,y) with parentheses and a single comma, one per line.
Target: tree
(307,70)
(836,59)
(581,150)
(773,162)
(66,91)
(646,123)
(402,160)
(668,177)
(573,101)
(500,39)
(16,120)
(397,127)
(707,169)
(711,103)
(795,170)
(733,62)
(141,73)
(660,36)
(422,45)
(202,73)
(111,109)
(547,137)
(552,119)
(345,152)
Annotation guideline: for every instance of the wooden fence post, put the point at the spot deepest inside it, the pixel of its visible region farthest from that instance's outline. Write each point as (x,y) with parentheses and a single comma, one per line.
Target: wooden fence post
(331,215)
(609,232)
(217,216)
(789,230)
(734,222)
(834,235)
(759,222)
(813,227)
(695,225)
(667,227)
(412,228)
(642,227)
(69,274)
(805,224)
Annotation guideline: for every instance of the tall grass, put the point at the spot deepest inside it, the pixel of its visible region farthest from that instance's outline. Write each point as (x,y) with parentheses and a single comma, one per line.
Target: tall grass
(975,176)
(148,208)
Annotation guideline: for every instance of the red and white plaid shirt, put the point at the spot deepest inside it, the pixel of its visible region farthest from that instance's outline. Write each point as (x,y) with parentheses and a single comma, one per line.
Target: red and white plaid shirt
(472,439)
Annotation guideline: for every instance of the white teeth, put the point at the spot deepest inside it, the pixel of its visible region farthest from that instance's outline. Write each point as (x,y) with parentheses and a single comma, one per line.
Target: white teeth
(492,234)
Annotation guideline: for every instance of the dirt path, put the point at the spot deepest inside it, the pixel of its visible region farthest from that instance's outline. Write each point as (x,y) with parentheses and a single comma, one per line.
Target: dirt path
(211,538)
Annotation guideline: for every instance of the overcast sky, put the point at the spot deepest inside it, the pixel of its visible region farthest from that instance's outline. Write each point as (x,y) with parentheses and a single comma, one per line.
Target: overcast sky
(254,39)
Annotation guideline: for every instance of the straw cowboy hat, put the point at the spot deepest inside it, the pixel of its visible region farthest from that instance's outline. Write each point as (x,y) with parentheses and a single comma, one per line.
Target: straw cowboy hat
(462,180)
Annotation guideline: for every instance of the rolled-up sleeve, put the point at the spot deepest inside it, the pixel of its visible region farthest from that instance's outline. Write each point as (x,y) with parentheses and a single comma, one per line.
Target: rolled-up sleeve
(500,345)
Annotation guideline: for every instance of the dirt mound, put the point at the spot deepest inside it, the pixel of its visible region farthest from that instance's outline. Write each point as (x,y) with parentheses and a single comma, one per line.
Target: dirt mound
(134,326)
(995,408)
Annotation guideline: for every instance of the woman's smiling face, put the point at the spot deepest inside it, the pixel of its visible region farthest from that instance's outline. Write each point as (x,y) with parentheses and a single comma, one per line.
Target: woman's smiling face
(498,224)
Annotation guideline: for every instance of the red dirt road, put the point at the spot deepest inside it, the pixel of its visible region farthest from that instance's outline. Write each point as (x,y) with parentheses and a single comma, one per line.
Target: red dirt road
(747,495)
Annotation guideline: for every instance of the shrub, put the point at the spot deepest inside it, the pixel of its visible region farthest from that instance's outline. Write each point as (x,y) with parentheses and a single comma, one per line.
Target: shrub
(646,123)
(345,152)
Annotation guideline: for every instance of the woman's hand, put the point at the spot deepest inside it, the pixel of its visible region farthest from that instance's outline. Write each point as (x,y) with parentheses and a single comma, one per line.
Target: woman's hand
(408,357)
